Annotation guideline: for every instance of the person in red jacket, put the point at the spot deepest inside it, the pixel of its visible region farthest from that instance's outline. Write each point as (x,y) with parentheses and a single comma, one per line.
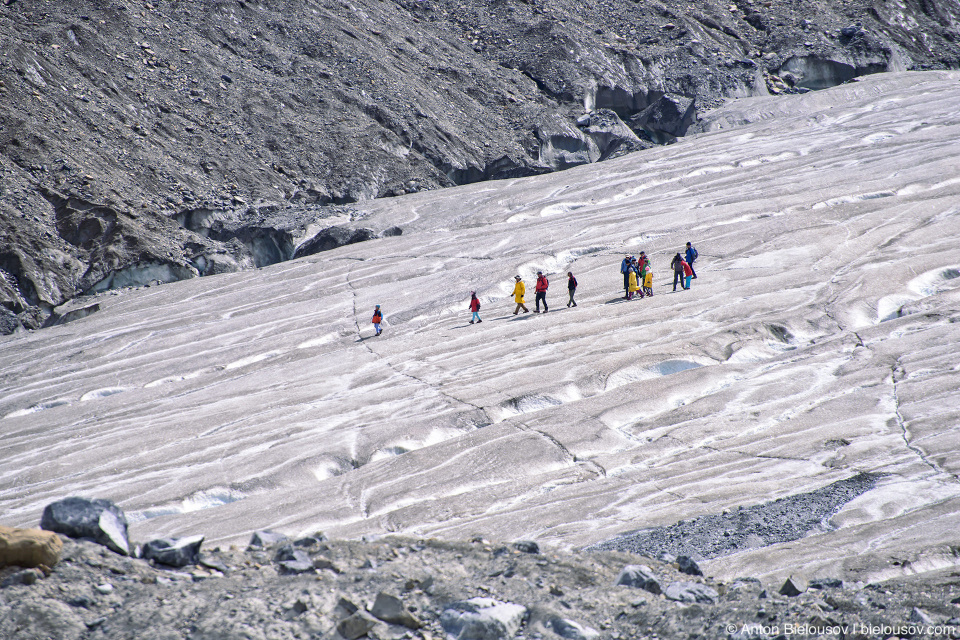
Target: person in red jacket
(687,272)
(475,307)
(541,289)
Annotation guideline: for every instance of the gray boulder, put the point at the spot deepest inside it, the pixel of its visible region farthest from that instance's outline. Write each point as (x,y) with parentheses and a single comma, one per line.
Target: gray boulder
(793,586)
(482,619)
(687,565)
(356,625)
(691,592)
(293,560)
(639,576)
(99,520)
(550,621)
(526,546)
(174,552)
(266,538)
(391,609)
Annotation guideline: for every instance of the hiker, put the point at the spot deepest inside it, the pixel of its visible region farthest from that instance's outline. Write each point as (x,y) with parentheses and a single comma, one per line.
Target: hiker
(518,290)
(648,281)
(475,307)
(625,270)
(572,288)
(632,286)
(642,262)
(541,290)
(377,319)
(691,255)
(687,272)
(636,285)
(677,265)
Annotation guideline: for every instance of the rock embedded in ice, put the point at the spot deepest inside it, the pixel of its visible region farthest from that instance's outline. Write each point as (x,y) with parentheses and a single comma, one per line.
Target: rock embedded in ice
(100,520)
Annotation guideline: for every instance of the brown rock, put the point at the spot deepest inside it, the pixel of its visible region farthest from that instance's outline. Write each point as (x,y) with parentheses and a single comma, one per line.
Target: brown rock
(29,547)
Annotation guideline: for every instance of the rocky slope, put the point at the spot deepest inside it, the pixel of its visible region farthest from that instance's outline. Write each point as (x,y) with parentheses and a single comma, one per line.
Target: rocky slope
(424,588)
(158,141)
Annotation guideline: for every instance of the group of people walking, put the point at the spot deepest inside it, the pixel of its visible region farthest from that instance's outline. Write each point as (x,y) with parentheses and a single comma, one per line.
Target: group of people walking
(637,281)
(520,289)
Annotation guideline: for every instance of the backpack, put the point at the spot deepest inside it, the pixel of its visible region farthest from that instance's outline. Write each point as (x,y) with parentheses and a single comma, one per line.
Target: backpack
(695,254)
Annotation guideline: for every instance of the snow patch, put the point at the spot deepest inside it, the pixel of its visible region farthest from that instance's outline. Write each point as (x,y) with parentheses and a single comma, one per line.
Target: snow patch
(198,501)
(252,359)
(316,342)
(851,199)
(101,393)
(37,407)
(879,136)
(933,282)
(630,375)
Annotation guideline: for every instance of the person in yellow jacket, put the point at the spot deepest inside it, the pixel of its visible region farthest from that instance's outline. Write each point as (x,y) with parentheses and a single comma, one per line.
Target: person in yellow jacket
(632,285)
(648,282)
(518,290)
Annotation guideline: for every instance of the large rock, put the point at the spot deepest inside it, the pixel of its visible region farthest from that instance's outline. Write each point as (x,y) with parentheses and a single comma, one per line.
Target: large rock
(291,560)
(793,586)
(29,547)
(482,619)
(549,621)
(265,538)
(391,609)
(691,592)
(99,520)
(174,552)
(356,625)
(688,565)
(639,576)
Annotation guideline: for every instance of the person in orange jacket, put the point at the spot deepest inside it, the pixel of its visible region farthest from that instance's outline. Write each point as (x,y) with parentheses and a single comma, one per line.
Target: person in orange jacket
(377,319)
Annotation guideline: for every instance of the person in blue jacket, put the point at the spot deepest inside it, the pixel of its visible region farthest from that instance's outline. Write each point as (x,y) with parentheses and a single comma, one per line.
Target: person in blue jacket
(625,270)
(691,255)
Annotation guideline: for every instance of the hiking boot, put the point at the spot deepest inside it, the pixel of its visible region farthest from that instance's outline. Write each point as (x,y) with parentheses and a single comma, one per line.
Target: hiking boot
(479,321)
(471,322)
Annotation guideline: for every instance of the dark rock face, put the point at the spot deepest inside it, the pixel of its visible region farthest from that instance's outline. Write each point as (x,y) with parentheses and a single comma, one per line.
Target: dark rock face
(99,520)
(332,238)
(117,121)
